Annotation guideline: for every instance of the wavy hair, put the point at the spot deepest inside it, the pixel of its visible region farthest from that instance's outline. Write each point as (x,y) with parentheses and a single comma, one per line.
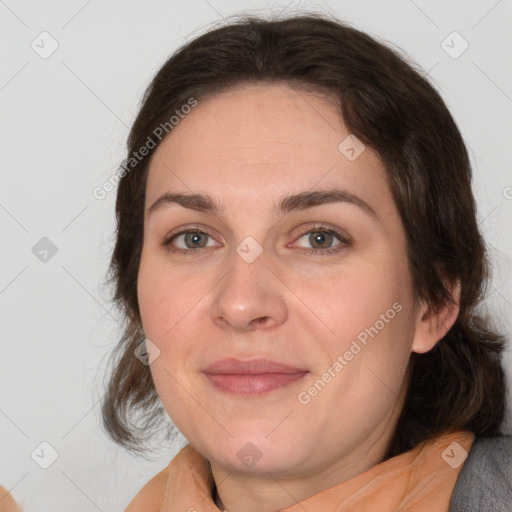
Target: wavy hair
(390,105)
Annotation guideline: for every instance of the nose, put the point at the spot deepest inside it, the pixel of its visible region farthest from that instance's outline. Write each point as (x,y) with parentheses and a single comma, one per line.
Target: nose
(249,297)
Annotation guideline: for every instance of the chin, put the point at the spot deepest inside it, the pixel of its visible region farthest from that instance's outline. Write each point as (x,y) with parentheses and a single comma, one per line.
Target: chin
(254,453)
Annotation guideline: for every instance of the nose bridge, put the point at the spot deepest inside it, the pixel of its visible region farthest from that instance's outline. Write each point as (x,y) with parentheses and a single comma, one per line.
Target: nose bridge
(248,295)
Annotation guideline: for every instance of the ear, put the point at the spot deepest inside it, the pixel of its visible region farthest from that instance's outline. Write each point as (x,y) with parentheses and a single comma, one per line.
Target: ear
(431,326)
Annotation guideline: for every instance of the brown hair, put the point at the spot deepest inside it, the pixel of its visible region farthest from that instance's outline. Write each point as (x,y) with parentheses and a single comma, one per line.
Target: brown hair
(390,106)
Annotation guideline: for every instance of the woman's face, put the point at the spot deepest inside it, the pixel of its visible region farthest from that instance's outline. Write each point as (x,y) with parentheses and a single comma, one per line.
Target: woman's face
(320,283)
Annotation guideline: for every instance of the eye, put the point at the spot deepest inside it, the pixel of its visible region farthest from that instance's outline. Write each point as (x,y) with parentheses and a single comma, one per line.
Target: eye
(321,239)
(187,241)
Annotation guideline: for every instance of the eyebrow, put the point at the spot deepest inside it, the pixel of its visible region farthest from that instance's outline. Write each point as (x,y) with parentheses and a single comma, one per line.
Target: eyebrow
(300,201)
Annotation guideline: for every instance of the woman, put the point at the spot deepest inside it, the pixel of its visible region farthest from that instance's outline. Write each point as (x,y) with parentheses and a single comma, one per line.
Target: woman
(299,262)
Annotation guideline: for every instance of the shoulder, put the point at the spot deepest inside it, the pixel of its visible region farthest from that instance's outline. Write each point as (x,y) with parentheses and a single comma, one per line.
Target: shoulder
(494,451)
(7,503)
(151,496)
(485,480)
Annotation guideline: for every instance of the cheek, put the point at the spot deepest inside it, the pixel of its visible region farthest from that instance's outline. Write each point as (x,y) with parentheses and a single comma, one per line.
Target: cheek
(367,320)
(365,360)
(164,298)
(165,303)
(351,301)
(171,307)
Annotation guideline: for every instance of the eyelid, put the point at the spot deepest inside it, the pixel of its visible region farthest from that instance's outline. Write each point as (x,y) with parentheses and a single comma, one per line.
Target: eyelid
(322,226)
(182,230)
(188,228)
(344,239)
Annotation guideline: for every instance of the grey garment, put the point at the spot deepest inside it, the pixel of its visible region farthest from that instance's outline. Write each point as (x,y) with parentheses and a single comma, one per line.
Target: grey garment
(485,481)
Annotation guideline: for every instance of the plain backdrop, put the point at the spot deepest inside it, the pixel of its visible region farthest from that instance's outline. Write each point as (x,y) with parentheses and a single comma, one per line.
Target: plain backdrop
(65,117)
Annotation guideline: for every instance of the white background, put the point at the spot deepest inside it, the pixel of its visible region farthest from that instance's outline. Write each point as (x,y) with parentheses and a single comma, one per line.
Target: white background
(64,123)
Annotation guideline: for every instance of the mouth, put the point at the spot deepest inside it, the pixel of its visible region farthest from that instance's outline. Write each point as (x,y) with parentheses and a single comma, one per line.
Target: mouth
(253,377)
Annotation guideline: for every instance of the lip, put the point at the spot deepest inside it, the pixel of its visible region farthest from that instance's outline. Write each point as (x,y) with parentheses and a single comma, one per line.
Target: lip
(231,365)
(251,377)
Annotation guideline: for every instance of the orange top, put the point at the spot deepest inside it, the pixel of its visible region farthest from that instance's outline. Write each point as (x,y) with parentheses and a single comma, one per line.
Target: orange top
(7,503)
(420,480)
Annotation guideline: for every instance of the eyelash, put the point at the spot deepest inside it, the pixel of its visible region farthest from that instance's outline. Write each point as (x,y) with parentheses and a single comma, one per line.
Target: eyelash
(317,228)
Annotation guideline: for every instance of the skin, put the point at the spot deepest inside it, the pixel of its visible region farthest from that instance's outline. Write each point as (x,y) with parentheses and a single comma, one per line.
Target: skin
(249,147)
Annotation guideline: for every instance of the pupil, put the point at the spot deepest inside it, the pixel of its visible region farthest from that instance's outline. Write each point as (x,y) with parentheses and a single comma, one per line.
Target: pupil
(320,238)
(195,238)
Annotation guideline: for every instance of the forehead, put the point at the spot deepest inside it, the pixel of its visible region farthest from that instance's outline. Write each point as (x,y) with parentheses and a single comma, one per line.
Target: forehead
(262,139)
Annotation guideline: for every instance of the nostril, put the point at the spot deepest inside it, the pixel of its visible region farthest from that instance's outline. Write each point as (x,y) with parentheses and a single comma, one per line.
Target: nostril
(261,320)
